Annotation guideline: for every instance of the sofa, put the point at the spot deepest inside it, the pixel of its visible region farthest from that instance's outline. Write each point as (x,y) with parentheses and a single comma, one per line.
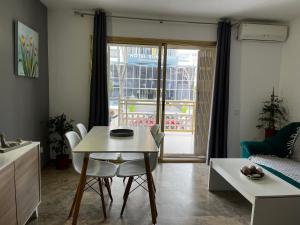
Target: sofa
(279,154)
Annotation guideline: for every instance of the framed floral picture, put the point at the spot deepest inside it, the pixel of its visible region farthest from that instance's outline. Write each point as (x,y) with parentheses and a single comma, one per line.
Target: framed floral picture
(26,51)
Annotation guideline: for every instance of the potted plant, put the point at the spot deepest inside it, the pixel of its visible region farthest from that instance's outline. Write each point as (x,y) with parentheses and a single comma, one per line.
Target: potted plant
(58,126)
(273,115)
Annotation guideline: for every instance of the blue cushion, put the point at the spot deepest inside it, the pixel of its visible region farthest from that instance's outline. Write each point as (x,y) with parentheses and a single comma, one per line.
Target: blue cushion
(276,145)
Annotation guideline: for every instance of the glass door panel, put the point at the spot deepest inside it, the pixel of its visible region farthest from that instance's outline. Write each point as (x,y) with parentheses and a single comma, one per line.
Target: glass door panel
(133,74)
(180,101)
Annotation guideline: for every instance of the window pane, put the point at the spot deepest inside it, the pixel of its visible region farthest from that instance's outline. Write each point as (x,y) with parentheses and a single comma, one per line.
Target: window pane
(132,74)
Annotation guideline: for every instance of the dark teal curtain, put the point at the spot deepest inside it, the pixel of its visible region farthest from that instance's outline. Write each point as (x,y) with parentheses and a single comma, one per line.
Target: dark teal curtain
(99,115)
(217,147)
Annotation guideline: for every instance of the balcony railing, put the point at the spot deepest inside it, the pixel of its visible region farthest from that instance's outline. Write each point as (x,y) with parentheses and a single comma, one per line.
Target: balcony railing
(179,115)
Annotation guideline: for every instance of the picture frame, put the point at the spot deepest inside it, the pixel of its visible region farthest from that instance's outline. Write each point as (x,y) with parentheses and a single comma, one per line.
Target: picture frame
(26,51)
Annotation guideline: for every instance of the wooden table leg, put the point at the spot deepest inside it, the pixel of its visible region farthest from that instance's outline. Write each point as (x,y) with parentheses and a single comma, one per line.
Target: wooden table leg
(127,191)
(107,184)
(80,190)
(73,204)
(154,188)
(150,188)
(102,197)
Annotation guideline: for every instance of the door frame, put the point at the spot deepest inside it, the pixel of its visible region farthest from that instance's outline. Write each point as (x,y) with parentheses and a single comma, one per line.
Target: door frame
(157,42)
(162,45)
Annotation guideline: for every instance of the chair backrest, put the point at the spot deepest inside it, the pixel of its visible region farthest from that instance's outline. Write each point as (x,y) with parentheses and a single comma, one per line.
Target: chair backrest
(154,156)
(77,158)
(159,138)
(155,129)
(82,129)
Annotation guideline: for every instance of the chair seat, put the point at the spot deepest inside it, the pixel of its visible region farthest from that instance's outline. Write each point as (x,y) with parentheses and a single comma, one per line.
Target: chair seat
(131,156)
(131,168)
(105,156)
(103,169)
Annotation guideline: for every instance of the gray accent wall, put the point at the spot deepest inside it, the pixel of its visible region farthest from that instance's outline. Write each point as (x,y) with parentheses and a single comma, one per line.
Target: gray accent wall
(24,102)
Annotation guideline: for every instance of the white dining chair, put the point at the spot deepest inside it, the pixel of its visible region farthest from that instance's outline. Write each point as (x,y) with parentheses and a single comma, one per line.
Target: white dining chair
(159,138)
(155,130)
(97,156)
(97,170)
(134,156)
(82,129)
(136,168)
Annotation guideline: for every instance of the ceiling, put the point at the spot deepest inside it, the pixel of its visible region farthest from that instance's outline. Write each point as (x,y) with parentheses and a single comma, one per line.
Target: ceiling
(283,10)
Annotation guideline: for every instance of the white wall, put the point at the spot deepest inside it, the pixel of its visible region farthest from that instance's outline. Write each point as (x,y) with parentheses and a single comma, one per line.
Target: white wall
(260,73)
(234,97)
(149,29)
(290,71)
(255,67)
(69,76)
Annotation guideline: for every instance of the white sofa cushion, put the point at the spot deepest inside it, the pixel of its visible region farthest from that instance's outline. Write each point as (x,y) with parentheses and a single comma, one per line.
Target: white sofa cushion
(294,146)
(287,167)
(296,150)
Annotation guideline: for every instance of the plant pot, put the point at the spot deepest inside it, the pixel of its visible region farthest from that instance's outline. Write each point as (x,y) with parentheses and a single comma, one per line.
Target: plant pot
(270,132)
(62,162)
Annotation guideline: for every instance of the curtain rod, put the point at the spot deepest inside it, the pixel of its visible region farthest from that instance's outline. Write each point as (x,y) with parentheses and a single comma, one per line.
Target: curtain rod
(82,14)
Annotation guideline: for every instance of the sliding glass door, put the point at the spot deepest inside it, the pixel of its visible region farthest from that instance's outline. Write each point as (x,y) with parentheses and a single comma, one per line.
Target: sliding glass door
(157,83)
(180,101)
(133,84)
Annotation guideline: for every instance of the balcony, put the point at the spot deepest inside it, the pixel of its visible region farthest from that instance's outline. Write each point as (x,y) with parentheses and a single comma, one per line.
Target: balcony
(179,115)
(179,121)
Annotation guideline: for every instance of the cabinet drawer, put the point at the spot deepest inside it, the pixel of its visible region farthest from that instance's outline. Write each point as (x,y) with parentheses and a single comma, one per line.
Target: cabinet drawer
(27,178)
(8,213)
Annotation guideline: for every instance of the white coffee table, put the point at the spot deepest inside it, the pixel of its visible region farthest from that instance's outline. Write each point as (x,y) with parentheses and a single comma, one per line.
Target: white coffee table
(274,201)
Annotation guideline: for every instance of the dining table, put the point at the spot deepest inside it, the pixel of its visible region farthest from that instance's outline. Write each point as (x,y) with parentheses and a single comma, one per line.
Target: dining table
(99,140)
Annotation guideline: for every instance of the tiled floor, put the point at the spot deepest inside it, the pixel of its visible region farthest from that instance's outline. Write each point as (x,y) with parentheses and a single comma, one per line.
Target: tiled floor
(182,199)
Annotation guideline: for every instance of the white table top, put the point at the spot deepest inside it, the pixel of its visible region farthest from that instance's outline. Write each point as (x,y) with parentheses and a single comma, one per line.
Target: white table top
(269,186)
(99,140)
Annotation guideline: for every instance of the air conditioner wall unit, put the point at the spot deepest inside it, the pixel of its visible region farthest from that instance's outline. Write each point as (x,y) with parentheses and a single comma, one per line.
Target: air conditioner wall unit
(262,32)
